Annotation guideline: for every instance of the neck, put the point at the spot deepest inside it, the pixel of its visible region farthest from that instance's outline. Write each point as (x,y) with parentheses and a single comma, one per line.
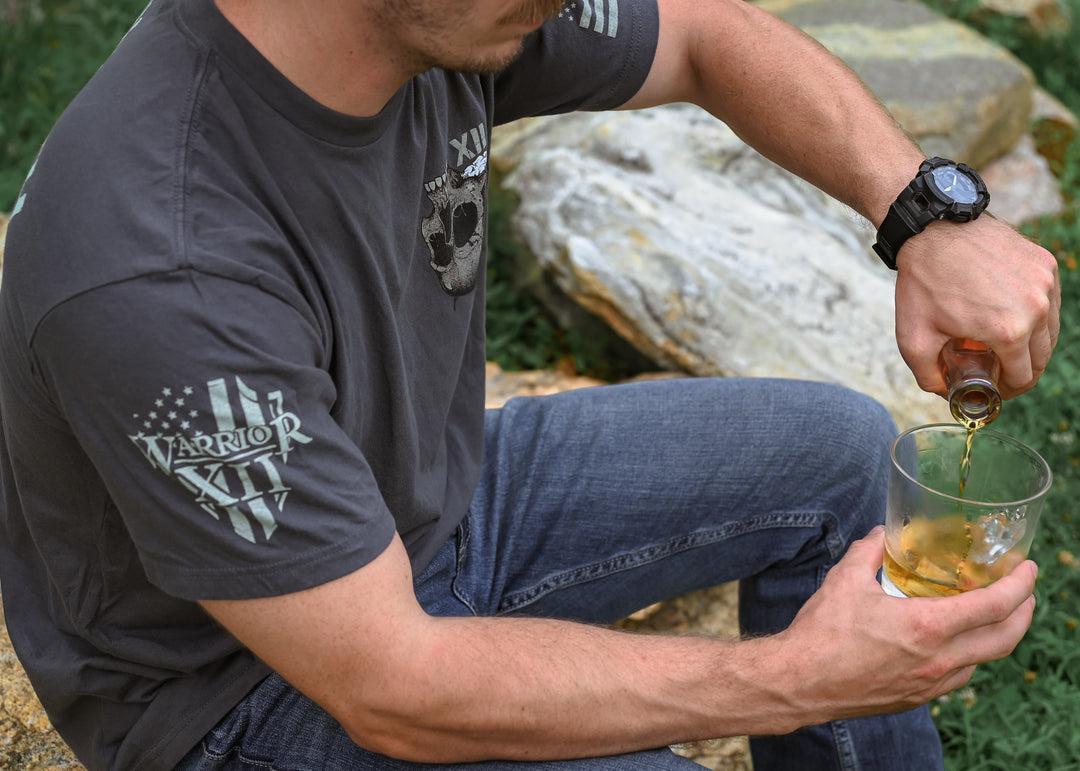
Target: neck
(329,49)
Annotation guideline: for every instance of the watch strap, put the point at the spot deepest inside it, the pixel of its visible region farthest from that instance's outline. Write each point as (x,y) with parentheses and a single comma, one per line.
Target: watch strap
(897,227)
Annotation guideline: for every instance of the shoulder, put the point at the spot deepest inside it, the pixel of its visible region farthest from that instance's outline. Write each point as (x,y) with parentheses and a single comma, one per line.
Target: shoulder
(593,56)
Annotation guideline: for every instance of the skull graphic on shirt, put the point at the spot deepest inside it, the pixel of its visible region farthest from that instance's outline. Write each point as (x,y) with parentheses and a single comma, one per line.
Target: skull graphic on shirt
(454,231)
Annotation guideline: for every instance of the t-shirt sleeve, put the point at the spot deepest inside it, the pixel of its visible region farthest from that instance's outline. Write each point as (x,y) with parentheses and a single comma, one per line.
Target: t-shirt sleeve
(594,56)
(210,420)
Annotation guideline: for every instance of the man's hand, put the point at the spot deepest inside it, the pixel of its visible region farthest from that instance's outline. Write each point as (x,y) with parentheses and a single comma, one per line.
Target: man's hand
(865,652)
(980,280)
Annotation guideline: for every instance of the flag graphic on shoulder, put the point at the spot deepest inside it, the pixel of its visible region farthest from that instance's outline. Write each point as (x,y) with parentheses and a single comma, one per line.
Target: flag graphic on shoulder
(232,469)
(597,15)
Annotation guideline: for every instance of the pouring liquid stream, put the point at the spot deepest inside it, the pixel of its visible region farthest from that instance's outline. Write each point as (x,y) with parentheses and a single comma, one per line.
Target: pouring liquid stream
(970,370)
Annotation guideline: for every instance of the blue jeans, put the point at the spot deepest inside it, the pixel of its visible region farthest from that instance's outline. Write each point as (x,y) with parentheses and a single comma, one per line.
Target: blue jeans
(593,504)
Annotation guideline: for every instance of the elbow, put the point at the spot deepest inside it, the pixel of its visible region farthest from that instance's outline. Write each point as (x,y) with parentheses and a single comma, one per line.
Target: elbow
(399,730)
(393,741)
(382,734)
(400,740)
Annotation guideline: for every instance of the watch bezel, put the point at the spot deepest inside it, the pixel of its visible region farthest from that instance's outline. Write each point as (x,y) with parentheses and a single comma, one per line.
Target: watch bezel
(947,206)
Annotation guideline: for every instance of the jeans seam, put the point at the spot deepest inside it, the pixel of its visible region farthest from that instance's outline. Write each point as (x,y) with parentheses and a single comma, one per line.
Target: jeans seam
(845,749)
(517,600)
(239,753)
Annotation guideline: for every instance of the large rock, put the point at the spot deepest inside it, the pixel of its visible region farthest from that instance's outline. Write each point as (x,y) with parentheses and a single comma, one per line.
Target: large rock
(957,93)
(709,258)
(1024,188)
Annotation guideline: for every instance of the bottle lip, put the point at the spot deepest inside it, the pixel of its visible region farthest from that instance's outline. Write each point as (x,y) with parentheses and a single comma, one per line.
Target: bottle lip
(973,382)
(983,412)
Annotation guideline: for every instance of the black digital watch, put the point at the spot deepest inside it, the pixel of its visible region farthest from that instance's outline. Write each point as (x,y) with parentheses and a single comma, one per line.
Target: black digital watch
(942,189)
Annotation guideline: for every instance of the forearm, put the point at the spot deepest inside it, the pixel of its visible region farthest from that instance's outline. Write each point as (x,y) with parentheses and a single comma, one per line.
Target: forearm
(541,689)
(786,96)
(410,685)
(439,689)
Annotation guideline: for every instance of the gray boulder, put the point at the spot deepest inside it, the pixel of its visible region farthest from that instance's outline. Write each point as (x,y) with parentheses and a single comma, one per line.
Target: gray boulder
(709,258)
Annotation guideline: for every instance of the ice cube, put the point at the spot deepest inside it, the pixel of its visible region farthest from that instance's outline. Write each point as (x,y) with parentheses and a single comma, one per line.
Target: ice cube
(996,533)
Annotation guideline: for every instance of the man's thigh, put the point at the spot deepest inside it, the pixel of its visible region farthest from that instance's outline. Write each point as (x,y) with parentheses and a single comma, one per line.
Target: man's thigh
(595,503)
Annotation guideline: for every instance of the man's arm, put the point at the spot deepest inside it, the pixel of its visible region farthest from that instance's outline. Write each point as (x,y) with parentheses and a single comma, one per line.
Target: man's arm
(456,689)
(786,96)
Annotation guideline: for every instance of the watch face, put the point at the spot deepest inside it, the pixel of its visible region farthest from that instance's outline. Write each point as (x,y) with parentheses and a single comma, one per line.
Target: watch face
(954,184)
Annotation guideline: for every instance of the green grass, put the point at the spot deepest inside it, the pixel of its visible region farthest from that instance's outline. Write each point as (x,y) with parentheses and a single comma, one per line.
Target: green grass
(1017,714)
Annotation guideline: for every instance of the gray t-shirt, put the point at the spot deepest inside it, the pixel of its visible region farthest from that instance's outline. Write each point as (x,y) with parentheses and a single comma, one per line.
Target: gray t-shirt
(243,344)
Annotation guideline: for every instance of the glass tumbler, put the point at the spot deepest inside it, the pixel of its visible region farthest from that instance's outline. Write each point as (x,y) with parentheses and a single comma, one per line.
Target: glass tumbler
(962,509)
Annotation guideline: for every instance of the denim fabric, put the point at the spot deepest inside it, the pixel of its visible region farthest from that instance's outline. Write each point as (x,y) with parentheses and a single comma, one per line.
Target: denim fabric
(596,503)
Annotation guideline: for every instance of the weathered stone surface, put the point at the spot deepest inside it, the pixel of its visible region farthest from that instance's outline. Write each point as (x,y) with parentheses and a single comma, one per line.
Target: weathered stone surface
(957,93)
(1054,128)
(502,386)
(709,258)
(1022,184)
(714,261)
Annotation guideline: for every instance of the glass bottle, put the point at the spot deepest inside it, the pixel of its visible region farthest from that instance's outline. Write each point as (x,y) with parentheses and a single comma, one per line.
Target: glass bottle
(971,371)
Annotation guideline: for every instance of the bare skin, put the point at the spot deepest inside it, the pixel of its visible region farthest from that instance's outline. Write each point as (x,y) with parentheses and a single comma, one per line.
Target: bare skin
(443,690)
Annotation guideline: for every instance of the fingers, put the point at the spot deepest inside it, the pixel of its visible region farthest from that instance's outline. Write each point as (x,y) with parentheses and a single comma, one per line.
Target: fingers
(1017,370)
(868,550)
(997,602)
(981,281)
(977,626)
(919,342)
(1033,354)
(867,652)
(996,641)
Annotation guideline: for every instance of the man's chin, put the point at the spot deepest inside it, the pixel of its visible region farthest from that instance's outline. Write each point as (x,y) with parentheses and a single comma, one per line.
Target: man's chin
(491,64)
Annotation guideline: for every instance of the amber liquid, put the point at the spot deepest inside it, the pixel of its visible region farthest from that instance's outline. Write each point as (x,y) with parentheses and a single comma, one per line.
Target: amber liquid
(965,471)
(931,558)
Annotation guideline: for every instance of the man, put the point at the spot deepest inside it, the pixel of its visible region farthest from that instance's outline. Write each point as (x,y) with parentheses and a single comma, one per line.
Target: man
(254,513)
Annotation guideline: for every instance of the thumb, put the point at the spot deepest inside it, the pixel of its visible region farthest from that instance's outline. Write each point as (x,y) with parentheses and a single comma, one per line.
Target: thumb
(866,554)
